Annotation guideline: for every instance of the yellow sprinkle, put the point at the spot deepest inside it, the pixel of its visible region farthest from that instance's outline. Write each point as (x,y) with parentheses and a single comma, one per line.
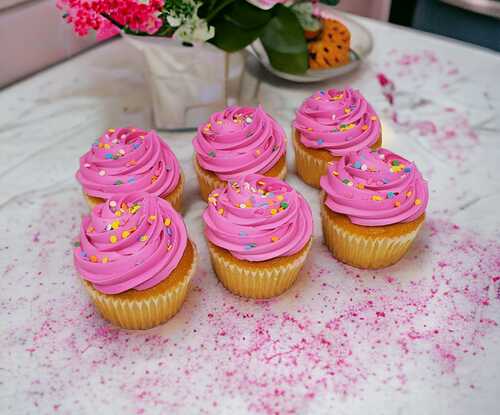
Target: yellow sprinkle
(107,146)
(212,200)
(105,260)
(118,213)
(364,127)
(273,211)
(408,194)
(152,218)
(347,110)
(280,197)
(125,234)
(167,221)
(274,238)
(361,186)
(113,239)
(418,202)
(111,130)
(335,173)
(144,238)
(377,198)
(221,211)
(219,122)
(115,224)
(309,129)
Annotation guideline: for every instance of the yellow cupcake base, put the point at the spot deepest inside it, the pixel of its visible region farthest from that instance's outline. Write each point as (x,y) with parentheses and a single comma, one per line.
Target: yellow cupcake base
(368,247)
(312,163)
(209,181)
(258,280)
(141,310)
(174,198)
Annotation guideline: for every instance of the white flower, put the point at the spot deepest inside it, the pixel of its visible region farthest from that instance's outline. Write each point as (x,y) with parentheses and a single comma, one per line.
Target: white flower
(194,30)
(174,20)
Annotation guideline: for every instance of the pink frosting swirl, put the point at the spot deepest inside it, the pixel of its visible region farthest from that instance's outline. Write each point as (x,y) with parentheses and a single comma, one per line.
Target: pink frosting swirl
(258,218)
(375,188)
(239,140)
(128,160)
(135,241)
(337,120)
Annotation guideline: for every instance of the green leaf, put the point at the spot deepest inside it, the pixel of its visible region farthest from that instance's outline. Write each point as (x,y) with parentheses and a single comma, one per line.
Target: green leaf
(238,25)
(230,37)
(247,16)
(330,2)
(284,41)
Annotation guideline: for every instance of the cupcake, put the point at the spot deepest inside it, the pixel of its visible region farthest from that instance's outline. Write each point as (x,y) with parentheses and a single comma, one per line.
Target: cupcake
(235,142)
(128,160)
(373,205)
(259,234)
(135,260)
(329,125)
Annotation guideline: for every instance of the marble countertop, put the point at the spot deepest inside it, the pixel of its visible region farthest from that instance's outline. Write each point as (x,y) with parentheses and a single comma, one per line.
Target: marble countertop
(420,337)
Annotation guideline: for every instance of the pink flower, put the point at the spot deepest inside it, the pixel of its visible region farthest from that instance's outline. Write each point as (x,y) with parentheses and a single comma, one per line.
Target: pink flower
(266,4)
(87,15)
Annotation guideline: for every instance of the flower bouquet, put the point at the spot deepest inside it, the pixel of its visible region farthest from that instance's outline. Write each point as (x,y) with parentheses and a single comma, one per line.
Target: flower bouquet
(292,36)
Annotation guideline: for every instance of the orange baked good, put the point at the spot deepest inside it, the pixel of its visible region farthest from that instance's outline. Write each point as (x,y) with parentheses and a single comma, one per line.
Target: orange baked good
(332,47)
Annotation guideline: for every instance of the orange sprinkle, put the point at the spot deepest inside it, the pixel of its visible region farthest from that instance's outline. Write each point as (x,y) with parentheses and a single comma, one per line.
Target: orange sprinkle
(274,238)
(93,258)
(418,202)
(167,221)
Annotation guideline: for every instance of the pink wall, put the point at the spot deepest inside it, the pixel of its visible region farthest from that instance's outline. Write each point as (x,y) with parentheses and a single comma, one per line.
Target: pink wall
(376,9)
(33,36)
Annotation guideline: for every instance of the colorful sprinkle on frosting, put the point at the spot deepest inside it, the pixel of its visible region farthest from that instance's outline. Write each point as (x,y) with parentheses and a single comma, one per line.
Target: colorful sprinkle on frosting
(238,141)
(258,218)
(133,252)
(390,190)
(339,121)
(128,160)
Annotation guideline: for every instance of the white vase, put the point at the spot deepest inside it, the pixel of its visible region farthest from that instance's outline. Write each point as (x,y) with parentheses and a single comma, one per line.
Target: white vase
(187,84)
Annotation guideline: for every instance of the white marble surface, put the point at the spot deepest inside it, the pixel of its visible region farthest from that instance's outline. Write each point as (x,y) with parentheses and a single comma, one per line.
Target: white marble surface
(420,337)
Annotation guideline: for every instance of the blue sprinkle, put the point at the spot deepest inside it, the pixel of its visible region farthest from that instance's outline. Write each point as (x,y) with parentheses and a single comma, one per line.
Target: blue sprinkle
(250,246)
(169,231)
(83,254)
(385,180)
(357,164)
(244,233)
(136,145)
(271,195)
(407,169)
(131,179)
(320,141)
(322,92)
(390,195)
(108,156)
